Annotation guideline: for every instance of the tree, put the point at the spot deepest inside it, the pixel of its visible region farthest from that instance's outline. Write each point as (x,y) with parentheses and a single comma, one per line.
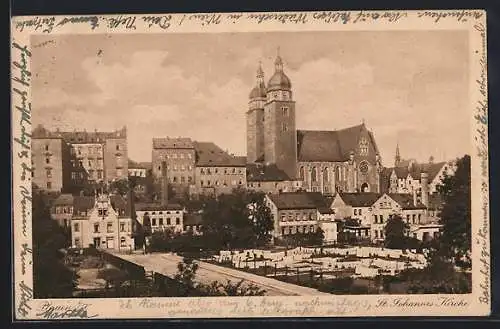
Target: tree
(237,220)
(456,213)
(52,279)
(395,232)
(185,275)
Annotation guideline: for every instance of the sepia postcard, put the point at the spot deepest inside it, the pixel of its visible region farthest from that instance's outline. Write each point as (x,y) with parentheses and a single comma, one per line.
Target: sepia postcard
(253,164)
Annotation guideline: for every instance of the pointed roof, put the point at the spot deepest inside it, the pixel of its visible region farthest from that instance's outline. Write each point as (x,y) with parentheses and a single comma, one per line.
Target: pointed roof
(299,200)
(405,200)
(359,199)
(208,154)
(172,143)
(265,173)
(279,80)
(331,145)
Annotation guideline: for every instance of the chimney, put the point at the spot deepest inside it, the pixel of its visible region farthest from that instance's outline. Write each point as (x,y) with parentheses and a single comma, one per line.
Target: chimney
(164,184)
(424,182)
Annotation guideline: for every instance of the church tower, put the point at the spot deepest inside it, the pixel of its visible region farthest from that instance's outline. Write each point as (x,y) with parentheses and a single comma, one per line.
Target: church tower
(255,120)
(397,158)
(280,134)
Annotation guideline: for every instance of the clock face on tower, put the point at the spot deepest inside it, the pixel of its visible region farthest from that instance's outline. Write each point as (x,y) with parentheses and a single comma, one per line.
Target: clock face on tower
(363,167)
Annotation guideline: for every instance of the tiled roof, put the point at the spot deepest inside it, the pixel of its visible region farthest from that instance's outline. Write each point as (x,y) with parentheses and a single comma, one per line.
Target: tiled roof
(120,205)
(415,170)
(405,200)
(334,146)
(299,200)
(293,200)
(83,203)
(64,200)
(139,165)
(192,219)
(359,199)
(75,137)
(157,207)
(173,143)
(262,173)
(210,155)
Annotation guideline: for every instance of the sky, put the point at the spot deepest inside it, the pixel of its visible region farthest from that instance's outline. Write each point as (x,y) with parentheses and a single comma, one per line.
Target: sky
(409,87)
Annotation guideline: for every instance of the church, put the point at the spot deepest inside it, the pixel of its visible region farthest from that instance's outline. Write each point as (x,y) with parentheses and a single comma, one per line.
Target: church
(345,160)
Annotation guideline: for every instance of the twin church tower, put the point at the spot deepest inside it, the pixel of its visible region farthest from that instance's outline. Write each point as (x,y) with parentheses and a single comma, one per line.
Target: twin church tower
(271,131)
(324,161)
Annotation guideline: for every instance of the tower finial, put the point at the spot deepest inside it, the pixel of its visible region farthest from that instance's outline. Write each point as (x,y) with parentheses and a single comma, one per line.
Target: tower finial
(278,63)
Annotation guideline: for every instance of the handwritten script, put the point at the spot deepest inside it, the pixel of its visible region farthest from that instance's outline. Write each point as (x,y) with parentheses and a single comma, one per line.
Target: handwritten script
(481,116)
(52,311)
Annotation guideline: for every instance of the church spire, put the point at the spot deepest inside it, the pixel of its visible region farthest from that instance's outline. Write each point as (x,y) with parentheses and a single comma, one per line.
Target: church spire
(260,75)
(278,63)
(397,158)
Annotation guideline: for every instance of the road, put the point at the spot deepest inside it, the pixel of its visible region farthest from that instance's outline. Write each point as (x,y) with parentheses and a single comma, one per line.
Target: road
(166,264)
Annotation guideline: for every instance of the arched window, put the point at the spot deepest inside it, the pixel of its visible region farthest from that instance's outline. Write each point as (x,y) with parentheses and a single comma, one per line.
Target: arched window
(337,174)
(313,174)
(326,177)
(301,173)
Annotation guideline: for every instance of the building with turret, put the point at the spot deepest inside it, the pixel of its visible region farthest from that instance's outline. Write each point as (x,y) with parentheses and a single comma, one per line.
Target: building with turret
(322,161)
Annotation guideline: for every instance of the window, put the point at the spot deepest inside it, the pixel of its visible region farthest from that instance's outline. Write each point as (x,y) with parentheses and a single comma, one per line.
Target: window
(360,212)
(419,217)
(301,173)
(123,242)
(153,222)
(160,221)
(381,218)
(314,176)
(96,228)
(122,227)
(216,170)
(46,147)
(208,171)
(175,179)
(76,227)
(49,185)
(168,221)
(118,147)
(376,234)
(413,218)
(109,228)
(202,171)
(284,127)
(284,110)
(201,183)
(190,179)
(177,221)
(77,243)
(208,182)
(47,160)
(183,179)
(407,218)
(99,174)
(49,173)
(355,212)
(376,218)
